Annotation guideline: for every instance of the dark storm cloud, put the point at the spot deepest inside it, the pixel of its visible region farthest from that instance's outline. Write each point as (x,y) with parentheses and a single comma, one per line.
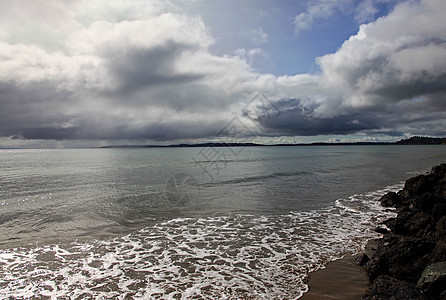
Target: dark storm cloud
(33,111)
(296,119)
(143,68)
(154,131)
(46,133)
(416,88)
(151,75)
(388,78)
(40,111)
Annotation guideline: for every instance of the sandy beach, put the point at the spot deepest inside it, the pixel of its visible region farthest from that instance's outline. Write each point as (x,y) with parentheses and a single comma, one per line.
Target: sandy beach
(408,261)
(340,279)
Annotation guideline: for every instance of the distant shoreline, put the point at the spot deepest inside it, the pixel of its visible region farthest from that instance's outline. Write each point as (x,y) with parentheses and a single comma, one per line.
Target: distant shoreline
(200,145)
(416,140)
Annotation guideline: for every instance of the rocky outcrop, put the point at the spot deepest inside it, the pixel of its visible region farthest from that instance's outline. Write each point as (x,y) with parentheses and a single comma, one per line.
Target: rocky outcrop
(409,258)
(433,280)
(386,287)
(362,259)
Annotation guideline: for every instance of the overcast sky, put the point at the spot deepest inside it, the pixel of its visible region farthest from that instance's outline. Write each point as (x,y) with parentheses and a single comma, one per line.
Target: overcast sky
(106,72)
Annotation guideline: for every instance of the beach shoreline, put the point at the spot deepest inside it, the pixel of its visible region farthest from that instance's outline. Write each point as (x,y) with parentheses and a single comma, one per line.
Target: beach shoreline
(340,279)
(408,262)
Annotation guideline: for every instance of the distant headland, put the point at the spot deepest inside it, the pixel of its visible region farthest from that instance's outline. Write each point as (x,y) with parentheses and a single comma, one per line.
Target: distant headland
(422,140)
(415,140)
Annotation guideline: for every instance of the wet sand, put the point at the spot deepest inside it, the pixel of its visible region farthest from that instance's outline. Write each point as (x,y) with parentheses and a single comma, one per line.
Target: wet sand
(341,279)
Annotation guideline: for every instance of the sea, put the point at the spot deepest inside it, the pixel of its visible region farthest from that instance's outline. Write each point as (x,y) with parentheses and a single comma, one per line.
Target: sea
(190,223)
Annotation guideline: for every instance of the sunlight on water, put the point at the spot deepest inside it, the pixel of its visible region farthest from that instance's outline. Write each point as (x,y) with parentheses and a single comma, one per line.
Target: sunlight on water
(148,223)
(236,256)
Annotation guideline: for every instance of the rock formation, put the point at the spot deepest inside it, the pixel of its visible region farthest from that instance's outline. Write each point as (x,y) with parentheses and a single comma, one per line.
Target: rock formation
(410,260)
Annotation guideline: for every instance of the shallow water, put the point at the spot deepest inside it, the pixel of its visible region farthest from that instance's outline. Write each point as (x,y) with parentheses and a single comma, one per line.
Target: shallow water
(166,223)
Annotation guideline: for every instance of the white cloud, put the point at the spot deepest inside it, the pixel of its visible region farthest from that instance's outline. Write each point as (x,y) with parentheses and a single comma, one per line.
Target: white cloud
(365,11)
(249,55)
(143,70)
(318,10)
(388,58)
(375,80)
(257,36)
(117,75)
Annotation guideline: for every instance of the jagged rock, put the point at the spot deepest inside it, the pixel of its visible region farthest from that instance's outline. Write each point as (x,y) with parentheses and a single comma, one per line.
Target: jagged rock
(390,223)
(441,226)
(391,199)
(409,222)
(425,202)
(362,259)
(381,230)
(438,211)
(439,253)
(439,172)
(433,279)
(418,185)
(401,257)
(417,239)
(440,192)
(387,287)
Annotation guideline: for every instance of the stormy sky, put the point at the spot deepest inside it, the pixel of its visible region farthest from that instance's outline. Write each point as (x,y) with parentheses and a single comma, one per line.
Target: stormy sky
(143,71)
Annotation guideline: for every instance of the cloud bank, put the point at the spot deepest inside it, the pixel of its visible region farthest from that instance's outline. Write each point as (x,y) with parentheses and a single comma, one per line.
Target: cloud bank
(104,70)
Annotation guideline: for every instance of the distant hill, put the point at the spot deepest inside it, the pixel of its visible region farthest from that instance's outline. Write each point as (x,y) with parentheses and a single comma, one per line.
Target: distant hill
(422,140)
(416,140)
(200,145)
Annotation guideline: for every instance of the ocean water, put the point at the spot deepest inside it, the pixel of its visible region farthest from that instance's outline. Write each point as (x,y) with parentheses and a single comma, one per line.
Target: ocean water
(190,223)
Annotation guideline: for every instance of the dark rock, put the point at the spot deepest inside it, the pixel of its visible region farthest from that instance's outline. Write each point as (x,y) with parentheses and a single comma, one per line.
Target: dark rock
(390,223)
(433,279)
(409,222)
(405,198)
(441,192)
(438,173)
(362,259)
(417,239)
(439,253)
(418,185)
(441,226)
(391,199)
(438,211)
(381,230)
(387,287)
(401,257)
(425,202)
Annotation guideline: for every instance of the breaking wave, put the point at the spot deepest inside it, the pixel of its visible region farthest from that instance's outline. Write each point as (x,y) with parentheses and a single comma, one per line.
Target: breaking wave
(227,257)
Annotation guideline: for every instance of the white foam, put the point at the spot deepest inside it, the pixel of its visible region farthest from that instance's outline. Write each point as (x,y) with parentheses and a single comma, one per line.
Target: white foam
(232,256)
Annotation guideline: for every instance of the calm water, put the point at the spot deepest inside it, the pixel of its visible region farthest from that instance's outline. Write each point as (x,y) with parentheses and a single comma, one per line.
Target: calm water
(190,222)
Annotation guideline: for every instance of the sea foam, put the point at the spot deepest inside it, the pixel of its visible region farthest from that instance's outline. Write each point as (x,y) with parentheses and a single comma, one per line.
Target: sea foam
(226,257)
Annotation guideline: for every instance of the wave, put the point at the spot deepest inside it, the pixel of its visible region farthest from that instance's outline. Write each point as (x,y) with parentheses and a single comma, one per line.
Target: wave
(230,256)
(251,179)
